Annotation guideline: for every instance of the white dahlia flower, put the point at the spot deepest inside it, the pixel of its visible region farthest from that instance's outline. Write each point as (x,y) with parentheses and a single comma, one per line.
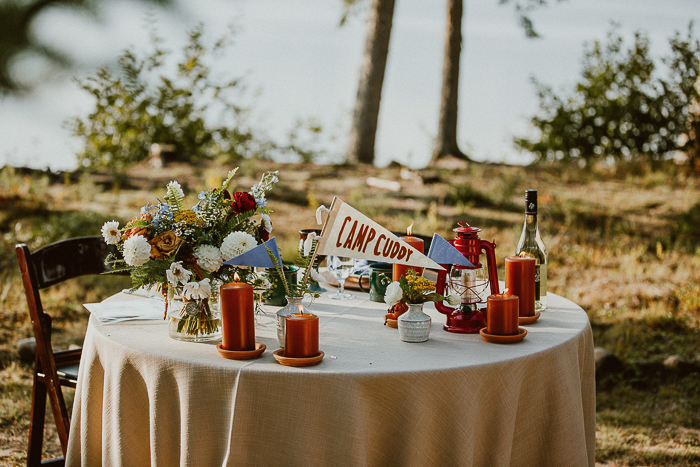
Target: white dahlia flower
(237,243)
(110,232)
(177,274)
(208,257)
(197,290)
(393,294)
(137,250)
(266,222)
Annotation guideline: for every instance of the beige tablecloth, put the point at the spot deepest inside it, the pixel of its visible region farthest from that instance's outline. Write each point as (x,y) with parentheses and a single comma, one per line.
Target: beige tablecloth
(145,399)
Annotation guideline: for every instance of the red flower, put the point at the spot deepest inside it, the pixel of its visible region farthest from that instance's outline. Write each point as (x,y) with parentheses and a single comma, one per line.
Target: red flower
(243,202)
(264,234)
(227,195)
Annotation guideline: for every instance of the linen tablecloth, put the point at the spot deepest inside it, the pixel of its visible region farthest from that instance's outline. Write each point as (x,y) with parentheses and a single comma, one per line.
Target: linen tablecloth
(146,399)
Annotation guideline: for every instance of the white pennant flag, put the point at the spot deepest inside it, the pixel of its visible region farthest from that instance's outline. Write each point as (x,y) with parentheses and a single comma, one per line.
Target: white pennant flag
(348,232)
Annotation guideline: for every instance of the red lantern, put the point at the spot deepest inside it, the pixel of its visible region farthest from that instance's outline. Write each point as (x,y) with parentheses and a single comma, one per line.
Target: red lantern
(470,283)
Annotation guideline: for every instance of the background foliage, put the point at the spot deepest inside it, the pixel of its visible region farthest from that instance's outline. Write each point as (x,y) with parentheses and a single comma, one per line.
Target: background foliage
(17,40)
(201,119)
(621,110)
(141,105)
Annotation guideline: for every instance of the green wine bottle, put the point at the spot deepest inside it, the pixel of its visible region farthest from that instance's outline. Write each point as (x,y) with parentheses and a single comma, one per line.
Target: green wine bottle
(531,245)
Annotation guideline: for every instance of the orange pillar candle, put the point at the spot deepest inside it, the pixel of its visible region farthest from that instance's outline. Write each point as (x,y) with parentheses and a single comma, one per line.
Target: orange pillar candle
(502,315)
(400,269)
(301,335)
(520,281)
(237,316)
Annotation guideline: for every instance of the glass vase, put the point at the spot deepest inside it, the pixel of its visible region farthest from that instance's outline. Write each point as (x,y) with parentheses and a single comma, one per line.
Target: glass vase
(414,325)
(196,320)
(292,306)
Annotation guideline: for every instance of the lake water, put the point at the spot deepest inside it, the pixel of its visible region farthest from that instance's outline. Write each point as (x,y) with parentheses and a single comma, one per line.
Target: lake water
(304,65)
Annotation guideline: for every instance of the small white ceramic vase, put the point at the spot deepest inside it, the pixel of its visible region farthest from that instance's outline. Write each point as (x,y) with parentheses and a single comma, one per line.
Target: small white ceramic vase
(414,325)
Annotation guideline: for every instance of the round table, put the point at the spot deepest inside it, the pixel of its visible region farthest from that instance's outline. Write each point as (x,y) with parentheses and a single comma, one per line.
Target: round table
(146,399)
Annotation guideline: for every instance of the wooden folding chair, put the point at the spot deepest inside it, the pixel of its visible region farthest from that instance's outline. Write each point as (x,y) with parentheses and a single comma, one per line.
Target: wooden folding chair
(48,266)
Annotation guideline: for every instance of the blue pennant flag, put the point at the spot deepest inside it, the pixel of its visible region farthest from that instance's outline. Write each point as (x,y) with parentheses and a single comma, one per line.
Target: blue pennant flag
(443,252)
(258,256)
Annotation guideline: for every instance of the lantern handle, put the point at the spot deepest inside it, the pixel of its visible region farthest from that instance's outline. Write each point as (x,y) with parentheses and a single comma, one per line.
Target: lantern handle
(441,287)
(490,249)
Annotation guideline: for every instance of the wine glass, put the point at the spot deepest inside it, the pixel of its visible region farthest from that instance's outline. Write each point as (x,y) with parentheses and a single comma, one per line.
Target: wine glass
(341,267)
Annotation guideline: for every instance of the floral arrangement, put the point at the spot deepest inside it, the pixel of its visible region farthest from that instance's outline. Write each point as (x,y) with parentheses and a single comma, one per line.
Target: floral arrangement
(414,289)
(180,251)
(305,261)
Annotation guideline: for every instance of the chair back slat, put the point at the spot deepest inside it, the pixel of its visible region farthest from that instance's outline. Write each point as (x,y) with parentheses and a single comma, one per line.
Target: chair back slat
(70,258)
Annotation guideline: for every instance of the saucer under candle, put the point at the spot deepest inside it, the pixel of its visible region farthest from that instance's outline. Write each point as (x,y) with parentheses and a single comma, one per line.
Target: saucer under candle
(292,361)
(242,354)
(522,332)
(525,320)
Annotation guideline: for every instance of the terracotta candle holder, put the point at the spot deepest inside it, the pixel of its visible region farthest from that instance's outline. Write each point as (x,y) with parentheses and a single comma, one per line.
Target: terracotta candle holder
(237,316)
(520,281)
(401,269)
(301,335)
(502,315)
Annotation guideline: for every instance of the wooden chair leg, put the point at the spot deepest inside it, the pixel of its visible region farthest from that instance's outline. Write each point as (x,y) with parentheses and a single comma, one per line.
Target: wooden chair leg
(36,423)
(60,415)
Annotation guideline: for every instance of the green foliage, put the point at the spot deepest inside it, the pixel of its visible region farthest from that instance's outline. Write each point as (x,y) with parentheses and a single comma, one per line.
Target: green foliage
(301,288)
(141,106)
(620,109)
(304,140)
(17,38)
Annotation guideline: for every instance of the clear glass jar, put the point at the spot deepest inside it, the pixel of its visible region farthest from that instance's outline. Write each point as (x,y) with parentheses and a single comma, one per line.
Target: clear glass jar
(196,320)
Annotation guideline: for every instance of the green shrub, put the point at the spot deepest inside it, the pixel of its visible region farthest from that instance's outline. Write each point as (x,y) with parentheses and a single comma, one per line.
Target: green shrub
(141,106)
(620,110)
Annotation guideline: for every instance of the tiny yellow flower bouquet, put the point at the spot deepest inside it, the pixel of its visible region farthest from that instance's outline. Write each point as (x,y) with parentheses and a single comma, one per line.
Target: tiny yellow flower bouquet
(415,289)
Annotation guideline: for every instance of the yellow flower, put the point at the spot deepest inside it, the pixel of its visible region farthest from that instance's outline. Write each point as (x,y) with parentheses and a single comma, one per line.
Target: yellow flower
(187,217)
(419,284)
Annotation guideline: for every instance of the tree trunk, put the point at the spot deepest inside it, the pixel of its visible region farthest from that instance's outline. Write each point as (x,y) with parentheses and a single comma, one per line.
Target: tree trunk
(447,127)
(369,92)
